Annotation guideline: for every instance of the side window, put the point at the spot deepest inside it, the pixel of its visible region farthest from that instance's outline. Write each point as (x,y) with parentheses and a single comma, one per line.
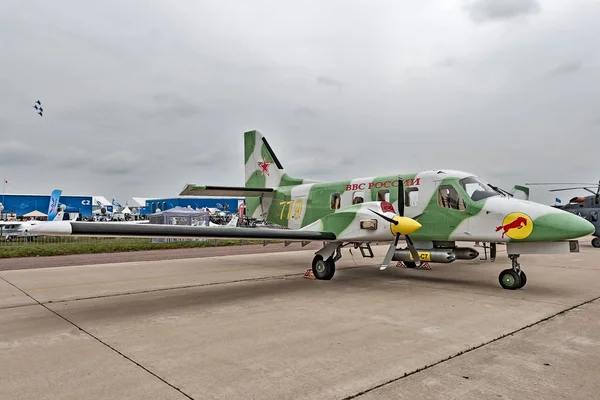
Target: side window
(335,201)
(357,198)
(448,197)
(411,196)
(383,195)
(594,216)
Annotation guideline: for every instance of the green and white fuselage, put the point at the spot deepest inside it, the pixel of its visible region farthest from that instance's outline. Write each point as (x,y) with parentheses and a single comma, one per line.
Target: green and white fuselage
(438,209)
(453,205)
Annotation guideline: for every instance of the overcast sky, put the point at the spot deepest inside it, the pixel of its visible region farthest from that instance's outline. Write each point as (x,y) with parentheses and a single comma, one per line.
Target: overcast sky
(142,97)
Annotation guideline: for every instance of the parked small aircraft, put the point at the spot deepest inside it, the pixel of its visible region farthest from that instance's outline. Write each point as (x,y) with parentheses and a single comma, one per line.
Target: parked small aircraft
(430,210)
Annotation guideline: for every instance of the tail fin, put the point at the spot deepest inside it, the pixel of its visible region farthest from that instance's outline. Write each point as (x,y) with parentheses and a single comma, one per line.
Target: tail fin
(233,221)
(53,206)
(523,189)
(263,170)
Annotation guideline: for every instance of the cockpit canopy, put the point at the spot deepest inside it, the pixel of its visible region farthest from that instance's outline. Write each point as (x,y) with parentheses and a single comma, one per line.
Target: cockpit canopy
(449,197)
(476,188)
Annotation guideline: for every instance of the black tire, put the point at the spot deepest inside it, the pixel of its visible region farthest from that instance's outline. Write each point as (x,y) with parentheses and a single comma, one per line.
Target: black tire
(323,269)
(410,264)
(523,279)
(596,242)
(509,279)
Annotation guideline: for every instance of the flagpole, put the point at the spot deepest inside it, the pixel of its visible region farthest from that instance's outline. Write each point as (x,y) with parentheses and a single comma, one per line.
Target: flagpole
(3,192)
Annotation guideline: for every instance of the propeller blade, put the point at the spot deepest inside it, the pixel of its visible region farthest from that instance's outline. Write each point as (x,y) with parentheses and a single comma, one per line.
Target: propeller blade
(400,196)
(413,251)
(388,219)
(389,254)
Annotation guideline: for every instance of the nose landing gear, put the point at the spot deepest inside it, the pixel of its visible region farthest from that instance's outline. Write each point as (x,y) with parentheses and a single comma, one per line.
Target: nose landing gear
(513,278)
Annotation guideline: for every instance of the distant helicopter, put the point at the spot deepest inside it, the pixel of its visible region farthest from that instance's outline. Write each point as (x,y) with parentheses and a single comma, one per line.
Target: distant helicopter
(586,207)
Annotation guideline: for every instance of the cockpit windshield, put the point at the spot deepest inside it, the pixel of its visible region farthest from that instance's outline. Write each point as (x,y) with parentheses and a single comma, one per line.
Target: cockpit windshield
(476,188)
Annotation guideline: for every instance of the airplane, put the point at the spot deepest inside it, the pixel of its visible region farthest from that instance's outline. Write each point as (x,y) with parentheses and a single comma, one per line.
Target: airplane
(12,229)
(586,207)
(232,222)
(430,210)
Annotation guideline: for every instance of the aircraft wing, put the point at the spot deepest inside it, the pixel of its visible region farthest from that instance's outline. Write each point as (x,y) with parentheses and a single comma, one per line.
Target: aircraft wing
(4,223)
(109,229)
(230,191)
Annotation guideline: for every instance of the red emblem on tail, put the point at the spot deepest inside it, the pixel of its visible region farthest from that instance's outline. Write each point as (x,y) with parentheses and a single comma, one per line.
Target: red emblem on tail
(518,223)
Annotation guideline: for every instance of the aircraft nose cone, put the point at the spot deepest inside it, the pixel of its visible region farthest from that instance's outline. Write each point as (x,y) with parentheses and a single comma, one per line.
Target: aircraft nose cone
(578,227)
(561,226)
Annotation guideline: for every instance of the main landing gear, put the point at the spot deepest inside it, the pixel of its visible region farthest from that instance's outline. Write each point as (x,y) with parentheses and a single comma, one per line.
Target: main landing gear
(596,242)
(323,265)
(513,278)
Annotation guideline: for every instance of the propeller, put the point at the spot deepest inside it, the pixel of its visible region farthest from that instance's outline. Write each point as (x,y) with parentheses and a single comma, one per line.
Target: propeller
(585,186)
(400,226)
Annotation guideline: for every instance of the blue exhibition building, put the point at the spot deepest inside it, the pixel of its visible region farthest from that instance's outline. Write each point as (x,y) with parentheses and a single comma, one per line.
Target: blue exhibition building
(23,204)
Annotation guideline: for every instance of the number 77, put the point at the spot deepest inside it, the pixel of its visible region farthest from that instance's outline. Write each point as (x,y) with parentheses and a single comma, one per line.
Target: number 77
(283,204)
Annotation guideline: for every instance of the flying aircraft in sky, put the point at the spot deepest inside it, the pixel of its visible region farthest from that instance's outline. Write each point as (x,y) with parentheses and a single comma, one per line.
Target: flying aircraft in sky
(429,210)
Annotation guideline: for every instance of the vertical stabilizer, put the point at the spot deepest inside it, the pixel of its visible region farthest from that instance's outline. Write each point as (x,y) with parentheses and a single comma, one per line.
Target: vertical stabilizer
(53,206)
(263,170)
(523,189)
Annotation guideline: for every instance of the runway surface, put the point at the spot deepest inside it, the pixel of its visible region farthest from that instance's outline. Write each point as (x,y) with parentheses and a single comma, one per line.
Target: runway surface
(7,264)
(251,327)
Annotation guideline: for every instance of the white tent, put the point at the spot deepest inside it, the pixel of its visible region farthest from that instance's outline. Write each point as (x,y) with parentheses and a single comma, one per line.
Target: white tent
(34,214)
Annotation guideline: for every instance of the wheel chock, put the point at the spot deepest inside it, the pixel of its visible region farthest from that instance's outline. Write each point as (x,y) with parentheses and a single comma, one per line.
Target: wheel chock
(309,274)
(424,265)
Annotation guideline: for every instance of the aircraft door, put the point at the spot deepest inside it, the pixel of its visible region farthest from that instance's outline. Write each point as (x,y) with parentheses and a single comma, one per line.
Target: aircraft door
(452,208)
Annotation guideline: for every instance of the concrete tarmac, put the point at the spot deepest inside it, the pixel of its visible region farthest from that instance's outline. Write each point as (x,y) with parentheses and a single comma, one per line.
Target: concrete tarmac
(251,327)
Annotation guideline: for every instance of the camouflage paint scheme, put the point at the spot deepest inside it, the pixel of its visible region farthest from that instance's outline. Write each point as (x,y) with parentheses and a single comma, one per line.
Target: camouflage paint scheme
(306,205)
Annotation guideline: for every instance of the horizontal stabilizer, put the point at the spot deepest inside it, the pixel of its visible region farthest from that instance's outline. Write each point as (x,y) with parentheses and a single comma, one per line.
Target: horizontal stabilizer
(110,229)
(231,191)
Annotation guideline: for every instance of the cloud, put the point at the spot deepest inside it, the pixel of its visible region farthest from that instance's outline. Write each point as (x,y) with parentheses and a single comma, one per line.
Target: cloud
(567,68)
(491,10)
(327,81)
(158,100)
(16,153)
(306,112)
(170,107)
(116,163)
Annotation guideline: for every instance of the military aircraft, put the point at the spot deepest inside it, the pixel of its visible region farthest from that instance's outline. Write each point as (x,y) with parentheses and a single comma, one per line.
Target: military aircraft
(586,207)
(429,210)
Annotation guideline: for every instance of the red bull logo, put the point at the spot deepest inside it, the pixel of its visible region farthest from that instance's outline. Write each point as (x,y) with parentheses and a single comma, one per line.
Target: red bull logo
(516,226)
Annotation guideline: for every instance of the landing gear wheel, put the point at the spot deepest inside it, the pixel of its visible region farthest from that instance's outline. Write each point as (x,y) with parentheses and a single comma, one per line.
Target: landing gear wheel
(323,269)
(510,280)
(523,279)
(410,264)
(596,242)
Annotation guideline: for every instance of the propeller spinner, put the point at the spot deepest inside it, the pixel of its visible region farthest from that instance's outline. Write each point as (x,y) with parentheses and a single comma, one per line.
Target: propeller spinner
(400,226)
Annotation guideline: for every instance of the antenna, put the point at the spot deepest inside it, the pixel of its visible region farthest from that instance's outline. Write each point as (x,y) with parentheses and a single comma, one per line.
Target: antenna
(416,158)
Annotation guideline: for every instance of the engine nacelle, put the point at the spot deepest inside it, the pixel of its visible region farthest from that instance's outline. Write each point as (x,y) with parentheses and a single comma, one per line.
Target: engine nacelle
(438,256)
